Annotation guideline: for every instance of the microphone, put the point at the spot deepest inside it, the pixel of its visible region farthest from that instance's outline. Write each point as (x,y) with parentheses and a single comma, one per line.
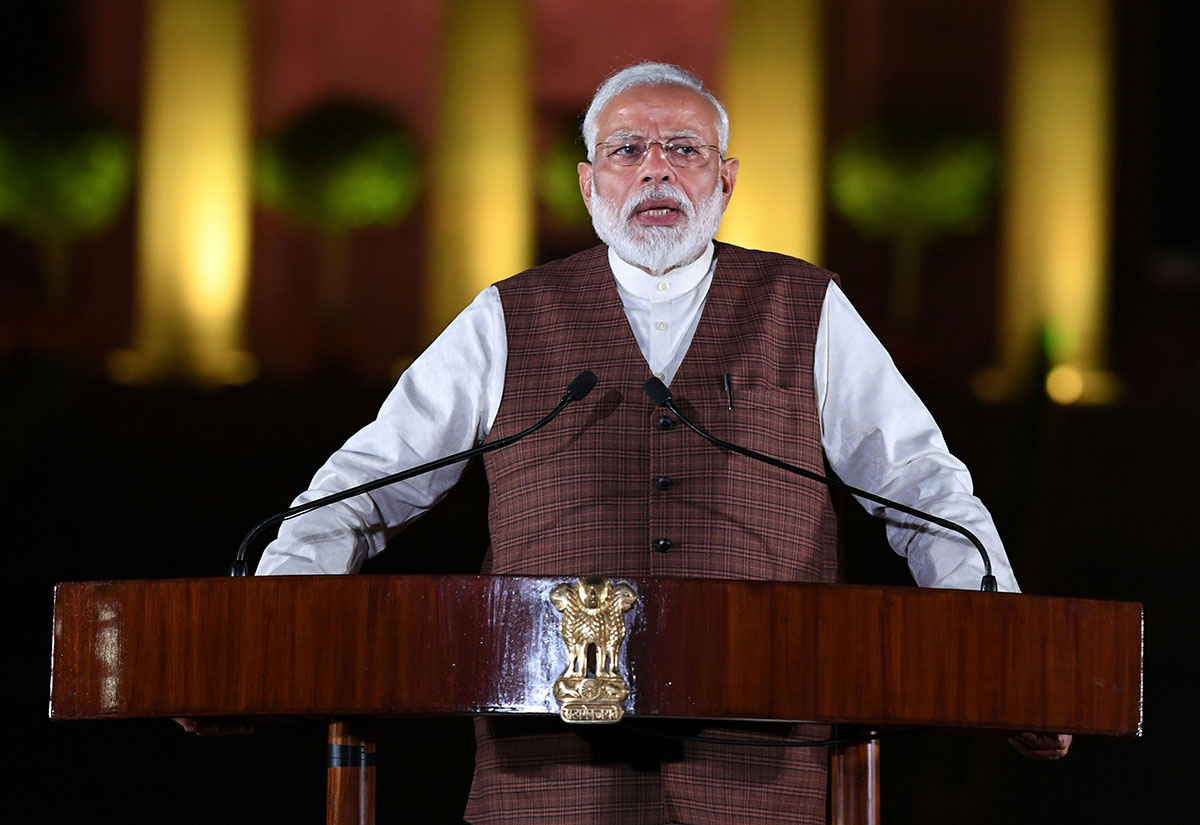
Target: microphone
(577,390)
(661,396)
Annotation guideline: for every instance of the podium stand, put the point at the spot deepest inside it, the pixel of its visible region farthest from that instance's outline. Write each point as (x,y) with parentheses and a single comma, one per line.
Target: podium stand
(357,647)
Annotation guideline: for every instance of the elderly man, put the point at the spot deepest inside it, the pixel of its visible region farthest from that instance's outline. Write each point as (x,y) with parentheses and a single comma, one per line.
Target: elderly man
(764,349)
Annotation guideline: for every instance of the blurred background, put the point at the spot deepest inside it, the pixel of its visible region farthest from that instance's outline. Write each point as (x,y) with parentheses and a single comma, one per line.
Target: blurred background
(226,226)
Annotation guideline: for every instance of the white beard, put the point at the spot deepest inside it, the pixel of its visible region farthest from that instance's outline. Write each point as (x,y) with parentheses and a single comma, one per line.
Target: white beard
(657,249)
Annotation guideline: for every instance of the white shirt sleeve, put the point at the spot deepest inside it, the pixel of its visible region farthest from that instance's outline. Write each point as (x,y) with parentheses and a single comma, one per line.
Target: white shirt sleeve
(878,436)
(876,433)
(444,403)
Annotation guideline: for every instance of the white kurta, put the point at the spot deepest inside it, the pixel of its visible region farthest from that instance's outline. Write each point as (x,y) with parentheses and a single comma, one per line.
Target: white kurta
(876,433)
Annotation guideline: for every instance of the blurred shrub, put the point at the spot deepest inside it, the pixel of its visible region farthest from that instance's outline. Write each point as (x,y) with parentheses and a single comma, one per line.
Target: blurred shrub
(339,165)
(558,179)
(910,182)
(64,176)
(896,178)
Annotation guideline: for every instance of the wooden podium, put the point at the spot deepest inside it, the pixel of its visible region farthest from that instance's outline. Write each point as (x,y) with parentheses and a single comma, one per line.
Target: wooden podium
(356,647)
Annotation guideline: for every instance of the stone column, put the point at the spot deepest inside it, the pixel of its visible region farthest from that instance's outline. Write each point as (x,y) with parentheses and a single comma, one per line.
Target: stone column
(481,189)
(1058,192)
(193,196)
(774,90)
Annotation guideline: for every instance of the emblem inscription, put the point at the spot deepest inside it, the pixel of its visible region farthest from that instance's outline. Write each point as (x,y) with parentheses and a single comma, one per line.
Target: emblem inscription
(592,620)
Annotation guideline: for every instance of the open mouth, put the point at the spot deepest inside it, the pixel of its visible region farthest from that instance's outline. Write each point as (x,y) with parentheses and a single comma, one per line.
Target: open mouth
(657,211)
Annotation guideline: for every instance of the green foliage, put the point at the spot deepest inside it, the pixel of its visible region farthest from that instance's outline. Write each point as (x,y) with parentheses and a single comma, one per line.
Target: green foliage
(897,179)
(339,165)
(62,176)
(558,180)
(1057,342)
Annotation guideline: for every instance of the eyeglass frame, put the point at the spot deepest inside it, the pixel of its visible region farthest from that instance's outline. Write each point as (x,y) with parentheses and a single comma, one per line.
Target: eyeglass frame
(666,146)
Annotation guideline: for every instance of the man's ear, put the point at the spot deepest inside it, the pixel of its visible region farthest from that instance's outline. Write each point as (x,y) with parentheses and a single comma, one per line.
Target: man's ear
(585,184)
(729,170)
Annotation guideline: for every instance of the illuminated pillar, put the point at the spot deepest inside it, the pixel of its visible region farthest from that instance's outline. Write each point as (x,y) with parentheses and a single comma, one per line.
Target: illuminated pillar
(773,89)
(481,211)
(193,196)
(1056,213)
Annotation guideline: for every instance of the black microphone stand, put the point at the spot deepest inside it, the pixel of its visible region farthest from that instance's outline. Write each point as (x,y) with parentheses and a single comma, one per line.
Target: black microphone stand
(576,390)
(660,395)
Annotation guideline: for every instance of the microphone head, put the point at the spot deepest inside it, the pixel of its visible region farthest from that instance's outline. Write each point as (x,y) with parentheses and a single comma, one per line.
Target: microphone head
(582,385)
(657,391)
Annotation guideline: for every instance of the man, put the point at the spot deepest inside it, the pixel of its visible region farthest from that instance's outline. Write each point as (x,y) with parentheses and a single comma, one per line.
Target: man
(764,349)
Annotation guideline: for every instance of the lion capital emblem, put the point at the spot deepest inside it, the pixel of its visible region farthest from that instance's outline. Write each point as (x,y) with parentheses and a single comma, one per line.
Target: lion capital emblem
(593,628)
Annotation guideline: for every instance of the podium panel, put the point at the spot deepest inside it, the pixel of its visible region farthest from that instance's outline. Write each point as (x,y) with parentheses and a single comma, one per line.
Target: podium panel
(696,648)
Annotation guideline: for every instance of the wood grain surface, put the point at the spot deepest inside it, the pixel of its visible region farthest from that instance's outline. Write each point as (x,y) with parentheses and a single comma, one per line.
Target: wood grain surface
(433,645)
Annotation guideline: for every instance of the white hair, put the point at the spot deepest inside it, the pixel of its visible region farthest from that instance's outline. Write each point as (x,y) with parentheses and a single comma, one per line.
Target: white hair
(648,74)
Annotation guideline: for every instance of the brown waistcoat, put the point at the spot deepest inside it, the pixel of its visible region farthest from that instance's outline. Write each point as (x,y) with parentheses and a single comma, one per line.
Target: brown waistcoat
(584,496)
(598,490)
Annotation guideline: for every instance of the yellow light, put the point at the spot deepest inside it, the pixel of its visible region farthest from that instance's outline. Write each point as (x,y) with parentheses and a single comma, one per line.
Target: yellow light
(481,211)
(194,196)
(1058,194)
(1064,385)
(773,83)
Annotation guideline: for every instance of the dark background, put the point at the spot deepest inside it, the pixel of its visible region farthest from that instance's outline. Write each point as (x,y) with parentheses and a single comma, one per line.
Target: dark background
(109,482)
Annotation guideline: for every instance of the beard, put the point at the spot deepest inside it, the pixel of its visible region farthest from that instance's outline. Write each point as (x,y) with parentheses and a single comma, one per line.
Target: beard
(658,249)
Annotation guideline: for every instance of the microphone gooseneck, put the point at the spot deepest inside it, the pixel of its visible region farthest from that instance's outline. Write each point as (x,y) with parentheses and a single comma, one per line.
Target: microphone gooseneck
(661,396)
(577,390)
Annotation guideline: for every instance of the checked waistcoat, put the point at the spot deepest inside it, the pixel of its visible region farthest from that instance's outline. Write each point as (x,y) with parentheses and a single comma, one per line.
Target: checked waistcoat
(617,486)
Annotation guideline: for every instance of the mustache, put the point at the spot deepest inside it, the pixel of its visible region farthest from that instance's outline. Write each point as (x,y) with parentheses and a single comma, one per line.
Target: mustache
(659,192)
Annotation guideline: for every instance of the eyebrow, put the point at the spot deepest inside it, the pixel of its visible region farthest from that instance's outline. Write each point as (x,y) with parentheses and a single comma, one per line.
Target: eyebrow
(631,135)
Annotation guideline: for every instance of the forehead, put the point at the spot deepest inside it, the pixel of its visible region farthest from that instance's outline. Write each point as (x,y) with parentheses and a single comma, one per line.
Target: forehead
(659,111)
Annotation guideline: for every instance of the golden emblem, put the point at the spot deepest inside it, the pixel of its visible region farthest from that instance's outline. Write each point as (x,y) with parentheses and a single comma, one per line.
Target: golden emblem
(592,620)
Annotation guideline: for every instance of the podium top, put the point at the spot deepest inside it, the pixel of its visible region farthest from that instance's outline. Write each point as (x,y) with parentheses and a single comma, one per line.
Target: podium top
(696,648)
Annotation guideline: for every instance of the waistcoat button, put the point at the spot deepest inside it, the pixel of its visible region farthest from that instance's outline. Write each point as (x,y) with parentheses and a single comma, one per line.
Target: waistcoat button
(665,422)
(663,482)
(664,545)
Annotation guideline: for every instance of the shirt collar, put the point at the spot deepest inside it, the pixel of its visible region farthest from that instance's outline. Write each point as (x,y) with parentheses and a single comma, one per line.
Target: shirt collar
(679,281)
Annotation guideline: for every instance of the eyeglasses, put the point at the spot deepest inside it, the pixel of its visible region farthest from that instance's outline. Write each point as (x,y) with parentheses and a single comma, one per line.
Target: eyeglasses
(681,153)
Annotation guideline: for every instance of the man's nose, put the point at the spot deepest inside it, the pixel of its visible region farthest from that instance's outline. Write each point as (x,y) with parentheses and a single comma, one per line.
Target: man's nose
(655,166)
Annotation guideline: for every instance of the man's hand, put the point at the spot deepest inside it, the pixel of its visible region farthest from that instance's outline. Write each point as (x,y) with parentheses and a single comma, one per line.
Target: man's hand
(214,725)
(1041,745)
